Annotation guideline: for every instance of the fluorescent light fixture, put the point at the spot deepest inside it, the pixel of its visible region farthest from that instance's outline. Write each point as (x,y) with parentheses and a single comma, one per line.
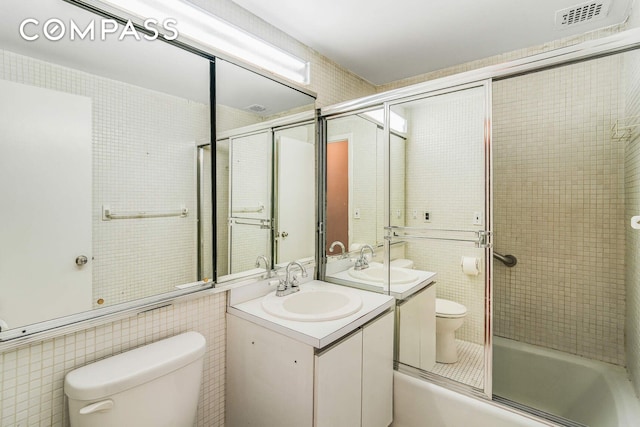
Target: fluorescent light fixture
(203,27)
(397,122)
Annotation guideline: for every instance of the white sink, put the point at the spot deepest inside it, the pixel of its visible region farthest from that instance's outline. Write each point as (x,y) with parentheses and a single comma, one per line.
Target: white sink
(375,273)
(313,305)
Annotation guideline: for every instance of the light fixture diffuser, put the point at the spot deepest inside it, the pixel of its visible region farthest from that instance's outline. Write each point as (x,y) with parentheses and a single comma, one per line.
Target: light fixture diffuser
(202,27)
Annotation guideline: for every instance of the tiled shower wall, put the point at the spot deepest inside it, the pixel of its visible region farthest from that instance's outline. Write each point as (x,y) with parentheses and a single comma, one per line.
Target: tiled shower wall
(32,376)
(559,208)
(632,203)
(144,159)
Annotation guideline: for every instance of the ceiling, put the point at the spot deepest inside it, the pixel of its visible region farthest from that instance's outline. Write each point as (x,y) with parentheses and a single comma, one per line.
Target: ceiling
(384,41)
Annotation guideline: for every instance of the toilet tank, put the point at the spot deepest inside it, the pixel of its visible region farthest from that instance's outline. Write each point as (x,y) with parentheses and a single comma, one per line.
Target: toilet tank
(156,385)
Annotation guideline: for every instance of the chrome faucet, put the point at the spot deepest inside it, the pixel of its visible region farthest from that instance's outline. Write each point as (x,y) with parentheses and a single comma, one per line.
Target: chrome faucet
(266,264)
(361,262)
(338,243)
(290,284)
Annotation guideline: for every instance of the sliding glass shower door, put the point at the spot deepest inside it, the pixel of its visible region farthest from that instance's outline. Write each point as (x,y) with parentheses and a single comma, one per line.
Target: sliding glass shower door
(444,226)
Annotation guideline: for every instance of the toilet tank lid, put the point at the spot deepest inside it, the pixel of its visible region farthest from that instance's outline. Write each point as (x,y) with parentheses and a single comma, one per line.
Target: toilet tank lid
(132,368)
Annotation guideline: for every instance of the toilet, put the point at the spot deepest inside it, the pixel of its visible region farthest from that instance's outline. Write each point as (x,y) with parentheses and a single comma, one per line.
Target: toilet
(152,386)
(402,263)
(449,317)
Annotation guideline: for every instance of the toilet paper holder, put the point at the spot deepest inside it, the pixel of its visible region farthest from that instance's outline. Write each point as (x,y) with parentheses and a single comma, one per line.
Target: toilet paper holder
(470,265)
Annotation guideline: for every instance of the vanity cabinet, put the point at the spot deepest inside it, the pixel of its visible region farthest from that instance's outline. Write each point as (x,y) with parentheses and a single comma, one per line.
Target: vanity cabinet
(417,329)
(275,380)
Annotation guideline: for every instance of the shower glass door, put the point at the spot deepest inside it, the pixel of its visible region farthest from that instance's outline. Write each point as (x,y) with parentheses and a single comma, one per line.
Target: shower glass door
(441,178)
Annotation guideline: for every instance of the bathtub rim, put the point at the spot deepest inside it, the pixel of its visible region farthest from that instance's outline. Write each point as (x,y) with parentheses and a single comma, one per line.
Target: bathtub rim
(462,391)
(616,377)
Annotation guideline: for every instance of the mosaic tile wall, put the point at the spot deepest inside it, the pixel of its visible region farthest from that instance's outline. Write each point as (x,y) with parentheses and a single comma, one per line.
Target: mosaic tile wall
(144,159)
(445,176)
(32,376)
(632,208)
(559,208)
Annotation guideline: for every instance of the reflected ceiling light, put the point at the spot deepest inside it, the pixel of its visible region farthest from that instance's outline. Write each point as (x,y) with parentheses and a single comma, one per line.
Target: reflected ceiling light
(203,27)
(397,122)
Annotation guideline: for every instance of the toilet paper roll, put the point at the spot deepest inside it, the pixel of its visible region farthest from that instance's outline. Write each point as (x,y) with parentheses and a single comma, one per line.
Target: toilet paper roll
(470,265)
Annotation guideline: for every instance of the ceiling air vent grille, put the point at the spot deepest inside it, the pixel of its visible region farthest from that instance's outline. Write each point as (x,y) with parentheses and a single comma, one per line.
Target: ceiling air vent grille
(582,13)
(256,108)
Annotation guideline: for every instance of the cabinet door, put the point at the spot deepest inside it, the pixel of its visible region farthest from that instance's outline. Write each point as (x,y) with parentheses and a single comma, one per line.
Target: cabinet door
(269,377)
(338,382)
(377,372)
(417,330)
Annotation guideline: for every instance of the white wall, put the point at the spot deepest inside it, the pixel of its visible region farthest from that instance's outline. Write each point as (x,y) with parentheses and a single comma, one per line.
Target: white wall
(445,176)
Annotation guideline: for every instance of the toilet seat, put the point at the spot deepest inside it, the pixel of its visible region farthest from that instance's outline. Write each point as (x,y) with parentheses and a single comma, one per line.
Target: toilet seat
(449,309)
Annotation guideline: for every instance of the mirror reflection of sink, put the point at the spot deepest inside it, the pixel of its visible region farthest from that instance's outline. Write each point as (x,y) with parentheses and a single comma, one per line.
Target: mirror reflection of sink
(376,273)
(313,305)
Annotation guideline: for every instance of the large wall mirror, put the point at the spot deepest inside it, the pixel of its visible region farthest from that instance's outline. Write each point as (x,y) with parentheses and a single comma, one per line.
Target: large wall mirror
(355,181)
(265,173)
(106,167)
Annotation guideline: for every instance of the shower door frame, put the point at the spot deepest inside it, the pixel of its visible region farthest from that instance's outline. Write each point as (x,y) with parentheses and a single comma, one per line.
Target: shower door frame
(486,391)
(617,43)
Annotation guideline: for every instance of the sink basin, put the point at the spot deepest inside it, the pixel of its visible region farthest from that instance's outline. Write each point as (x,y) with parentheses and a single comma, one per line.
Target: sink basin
(376,273)
(313,305)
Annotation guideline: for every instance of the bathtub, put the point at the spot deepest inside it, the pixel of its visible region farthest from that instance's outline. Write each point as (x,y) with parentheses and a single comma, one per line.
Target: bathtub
(419,403)
(592,393)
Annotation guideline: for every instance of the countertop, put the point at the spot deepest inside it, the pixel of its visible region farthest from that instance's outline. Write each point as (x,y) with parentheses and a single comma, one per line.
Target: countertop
(316,334)
(398,291)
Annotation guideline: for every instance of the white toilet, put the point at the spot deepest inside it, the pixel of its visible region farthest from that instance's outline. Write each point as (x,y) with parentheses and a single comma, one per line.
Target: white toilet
(449,317)
(152,386)
(402,263)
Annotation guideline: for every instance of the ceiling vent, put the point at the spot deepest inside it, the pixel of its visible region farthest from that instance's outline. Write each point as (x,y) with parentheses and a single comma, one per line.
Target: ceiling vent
(256,108)
(582,13)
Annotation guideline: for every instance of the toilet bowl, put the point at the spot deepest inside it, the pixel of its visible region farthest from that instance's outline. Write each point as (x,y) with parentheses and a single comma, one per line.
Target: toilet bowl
(402,263)
(449,317)
(152,386)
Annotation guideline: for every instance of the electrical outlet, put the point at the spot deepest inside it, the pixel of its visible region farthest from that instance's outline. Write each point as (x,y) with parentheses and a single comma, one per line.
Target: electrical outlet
(477,218)
(356,213)
(427,216)
(415,214)
(398,213)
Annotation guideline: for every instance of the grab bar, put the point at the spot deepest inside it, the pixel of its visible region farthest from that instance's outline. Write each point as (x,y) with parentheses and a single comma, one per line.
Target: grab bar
(257,209)
(108,215)
(508,260)
(264,224)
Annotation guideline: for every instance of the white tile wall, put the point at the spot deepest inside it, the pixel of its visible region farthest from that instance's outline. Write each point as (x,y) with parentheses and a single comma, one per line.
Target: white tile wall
(32,376)
(559,208)
(144,159)
(445,176)
(632,208)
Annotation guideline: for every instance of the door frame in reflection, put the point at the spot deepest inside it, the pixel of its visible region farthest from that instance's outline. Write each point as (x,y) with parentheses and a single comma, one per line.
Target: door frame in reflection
(338,191)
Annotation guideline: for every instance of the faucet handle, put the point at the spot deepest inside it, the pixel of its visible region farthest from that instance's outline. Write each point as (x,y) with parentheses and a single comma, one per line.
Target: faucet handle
(294,282)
